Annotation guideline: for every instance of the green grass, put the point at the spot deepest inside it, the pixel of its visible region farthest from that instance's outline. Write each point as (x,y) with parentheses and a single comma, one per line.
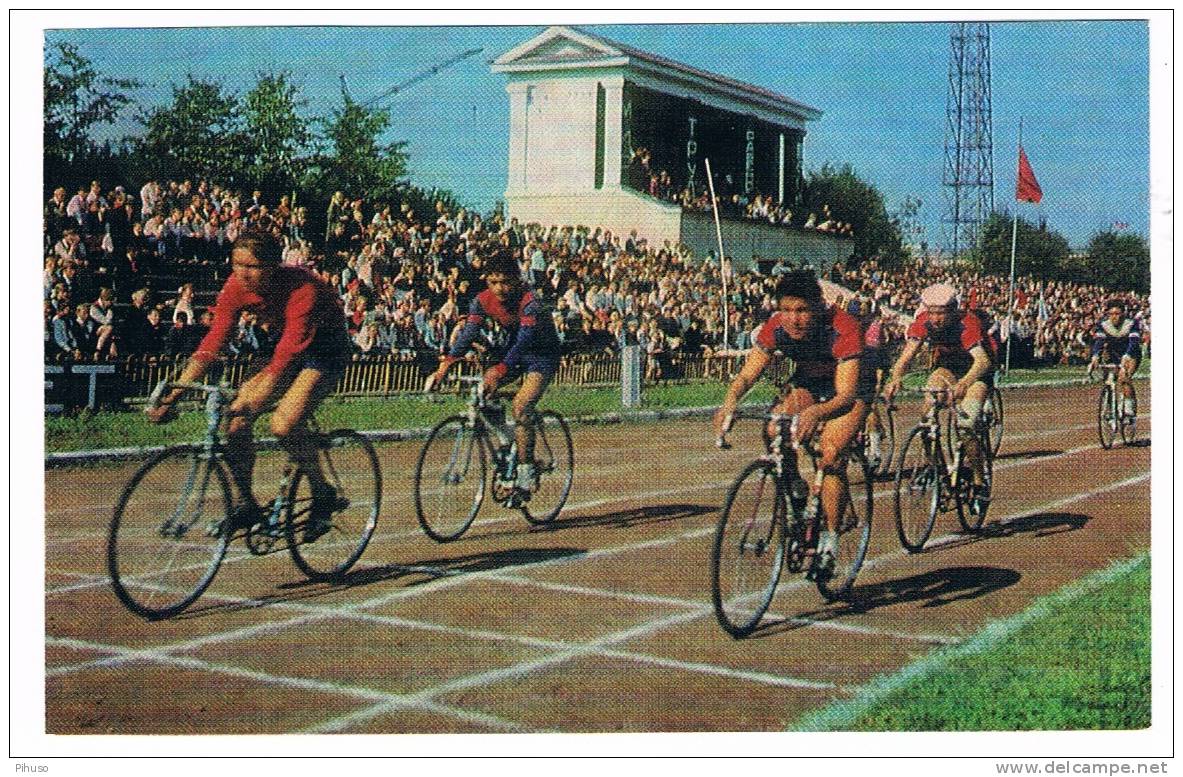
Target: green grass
(90,431)
(1084,665)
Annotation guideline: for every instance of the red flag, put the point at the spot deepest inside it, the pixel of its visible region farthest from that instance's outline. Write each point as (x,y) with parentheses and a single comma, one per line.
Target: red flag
(1027,188)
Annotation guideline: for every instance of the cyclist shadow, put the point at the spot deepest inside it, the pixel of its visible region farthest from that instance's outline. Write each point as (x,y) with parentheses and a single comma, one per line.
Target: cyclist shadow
(930,589)
(1039,453)
(623,519)
(428,570)
(414,574)
(1037,524)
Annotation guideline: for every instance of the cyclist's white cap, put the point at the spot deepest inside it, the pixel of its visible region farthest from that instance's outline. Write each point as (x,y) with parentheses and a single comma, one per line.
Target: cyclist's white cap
(939,295)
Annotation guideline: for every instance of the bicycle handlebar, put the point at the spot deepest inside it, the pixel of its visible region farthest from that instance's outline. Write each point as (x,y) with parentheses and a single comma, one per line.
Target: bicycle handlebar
(207,388)
(721,441)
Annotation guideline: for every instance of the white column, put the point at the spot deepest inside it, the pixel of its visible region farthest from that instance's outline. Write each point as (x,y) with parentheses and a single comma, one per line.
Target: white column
(518,138)
(780,175)
(613,131)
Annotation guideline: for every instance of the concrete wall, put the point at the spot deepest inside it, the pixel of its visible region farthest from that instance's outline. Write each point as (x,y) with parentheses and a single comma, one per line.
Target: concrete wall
(619,210)
(623,211)
(744,239)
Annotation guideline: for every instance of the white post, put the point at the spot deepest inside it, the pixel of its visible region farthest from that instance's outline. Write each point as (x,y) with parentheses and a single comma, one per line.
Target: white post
(630,376)
(722,266)
(1010,299)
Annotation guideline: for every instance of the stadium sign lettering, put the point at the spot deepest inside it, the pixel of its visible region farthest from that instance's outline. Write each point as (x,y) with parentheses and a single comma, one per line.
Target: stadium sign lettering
(691,152)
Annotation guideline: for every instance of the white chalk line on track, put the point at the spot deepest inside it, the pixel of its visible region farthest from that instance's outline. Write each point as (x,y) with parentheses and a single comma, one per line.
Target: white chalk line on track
(485,679)
(590,648)
(391,700)
(493,676)
(698,533)
(380,538)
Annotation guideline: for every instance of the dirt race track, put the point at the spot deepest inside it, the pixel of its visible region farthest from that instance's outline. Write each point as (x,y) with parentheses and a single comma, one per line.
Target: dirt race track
(601,622)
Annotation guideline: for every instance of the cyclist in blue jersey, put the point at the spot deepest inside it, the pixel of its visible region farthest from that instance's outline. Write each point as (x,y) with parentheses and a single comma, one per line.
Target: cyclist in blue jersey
(1118,338)
(533,353)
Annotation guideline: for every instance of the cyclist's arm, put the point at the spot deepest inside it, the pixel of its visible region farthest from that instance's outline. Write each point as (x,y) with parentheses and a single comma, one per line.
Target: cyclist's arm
(846,378)
(757,361)
(299,329)
(467,336)
(905,358)
(980,366)
(1135,342)
(525,337)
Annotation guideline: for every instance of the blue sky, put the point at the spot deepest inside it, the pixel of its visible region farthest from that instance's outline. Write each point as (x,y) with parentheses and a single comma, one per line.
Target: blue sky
(1081,88)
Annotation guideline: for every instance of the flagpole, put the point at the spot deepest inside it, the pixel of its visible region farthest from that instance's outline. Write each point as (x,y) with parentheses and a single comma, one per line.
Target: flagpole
(722,266)
(1014,233)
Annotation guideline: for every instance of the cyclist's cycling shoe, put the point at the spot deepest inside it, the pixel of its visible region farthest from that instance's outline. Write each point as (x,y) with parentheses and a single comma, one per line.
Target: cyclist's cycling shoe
(320,516)
(824,560)
(527,476)
(245,515)
(979,499)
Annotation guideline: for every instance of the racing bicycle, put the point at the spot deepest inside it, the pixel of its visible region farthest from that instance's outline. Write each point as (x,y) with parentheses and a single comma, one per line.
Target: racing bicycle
(771,521)
(173,521)
(452,473)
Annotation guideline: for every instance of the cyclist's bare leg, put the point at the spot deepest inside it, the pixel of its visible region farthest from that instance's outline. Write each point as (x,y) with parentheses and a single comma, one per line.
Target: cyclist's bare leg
(289,422)
(1125,375)
(835,440)
(971,408)
(525,402)
(240,455)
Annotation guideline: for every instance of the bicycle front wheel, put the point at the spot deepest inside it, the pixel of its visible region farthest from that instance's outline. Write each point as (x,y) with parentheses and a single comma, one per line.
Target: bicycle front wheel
(917,491)
(554,459)
(1129,421)
(1106,421)
(854,528)
(350,465)
(995,418)
(450,479)
(749,549)
(169,532)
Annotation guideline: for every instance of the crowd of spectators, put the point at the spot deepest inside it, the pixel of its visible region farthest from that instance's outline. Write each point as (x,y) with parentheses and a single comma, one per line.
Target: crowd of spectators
(750,206)
(1053,323)
(134,276)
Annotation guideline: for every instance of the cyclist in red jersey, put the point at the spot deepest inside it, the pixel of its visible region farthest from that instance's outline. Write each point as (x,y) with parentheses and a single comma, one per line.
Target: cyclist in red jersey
(964,356)
(825,343)
(309,359)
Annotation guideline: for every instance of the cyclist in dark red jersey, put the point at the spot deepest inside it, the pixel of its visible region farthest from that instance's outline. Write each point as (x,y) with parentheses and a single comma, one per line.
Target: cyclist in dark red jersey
(963,359)
(825,343)
(310,357)
(533,352)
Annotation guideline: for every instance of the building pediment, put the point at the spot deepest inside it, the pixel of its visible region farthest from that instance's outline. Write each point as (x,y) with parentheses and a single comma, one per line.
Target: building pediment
(558,47)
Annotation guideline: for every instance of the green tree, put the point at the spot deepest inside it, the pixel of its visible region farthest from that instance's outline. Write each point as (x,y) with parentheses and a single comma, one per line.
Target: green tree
(278,137)
(77,98)
(200,133)
(357,161)
(1039,251)
(853,200)
(1120,261)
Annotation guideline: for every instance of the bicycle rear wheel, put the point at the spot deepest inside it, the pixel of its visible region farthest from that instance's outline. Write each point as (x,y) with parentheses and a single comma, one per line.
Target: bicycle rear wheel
(169,532)
(917,491)
(749,550)
(854,529)
(1106,422)
(1129,423)
(350,466)
(450,478)
(554,458)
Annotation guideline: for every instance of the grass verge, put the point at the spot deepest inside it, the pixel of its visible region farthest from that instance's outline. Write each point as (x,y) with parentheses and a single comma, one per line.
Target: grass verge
(91,431)
(1079,660)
